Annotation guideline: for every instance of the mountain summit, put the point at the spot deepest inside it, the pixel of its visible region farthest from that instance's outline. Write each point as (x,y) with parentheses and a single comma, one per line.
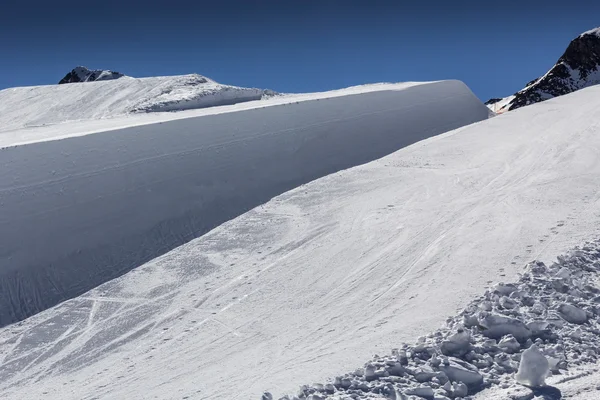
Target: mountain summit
(577,68)
(83,74)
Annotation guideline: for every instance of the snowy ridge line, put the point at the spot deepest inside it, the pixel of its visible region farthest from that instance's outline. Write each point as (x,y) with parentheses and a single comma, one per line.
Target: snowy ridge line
(21,133)
(542,325)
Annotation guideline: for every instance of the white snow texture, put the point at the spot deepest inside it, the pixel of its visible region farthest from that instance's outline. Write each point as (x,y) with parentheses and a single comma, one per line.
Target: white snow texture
(96,206)
(317,279)
(52,104)
(533,368)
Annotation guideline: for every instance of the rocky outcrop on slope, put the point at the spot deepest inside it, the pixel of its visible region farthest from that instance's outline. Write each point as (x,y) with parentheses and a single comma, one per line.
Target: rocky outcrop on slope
(577,68)
(83,74)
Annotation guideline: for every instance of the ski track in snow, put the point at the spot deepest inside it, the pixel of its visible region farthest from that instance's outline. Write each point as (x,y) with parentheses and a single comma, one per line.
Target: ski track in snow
(320,278)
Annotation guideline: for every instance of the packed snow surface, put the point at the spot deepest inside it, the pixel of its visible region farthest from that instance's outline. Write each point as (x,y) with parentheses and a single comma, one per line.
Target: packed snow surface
(322,277)
(81,211)
(34,106)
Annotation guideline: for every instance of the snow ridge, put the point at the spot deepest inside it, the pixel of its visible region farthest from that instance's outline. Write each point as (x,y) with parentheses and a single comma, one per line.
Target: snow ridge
(576,69)
(548,320)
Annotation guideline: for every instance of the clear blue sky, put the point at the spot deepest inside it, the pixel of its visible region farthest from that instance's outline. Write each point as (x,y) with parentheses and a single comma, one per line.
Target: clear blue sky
(293,46)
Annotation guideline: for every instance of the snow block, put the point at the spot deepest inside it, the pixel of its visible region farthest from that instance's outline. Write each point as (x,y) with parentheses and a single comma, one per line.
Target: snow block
(457,344)
(496,326)
(572,314)
(460,371)
(533,368)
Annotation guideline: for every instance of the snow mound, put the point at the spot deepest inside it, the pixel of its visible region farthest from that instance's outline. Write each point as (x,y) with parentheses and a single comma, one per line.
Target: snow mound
(33,106)
(83,74)
(426,370)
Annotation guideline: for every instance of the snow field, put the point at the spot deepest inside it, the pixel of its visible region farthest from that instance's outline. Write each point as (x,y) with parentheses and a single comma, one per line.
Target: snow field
(315,281)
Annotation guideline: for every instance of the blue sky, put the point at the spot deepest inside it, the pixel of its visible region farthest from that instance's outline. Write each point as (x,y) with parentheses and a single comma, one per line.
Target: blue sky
(293,46)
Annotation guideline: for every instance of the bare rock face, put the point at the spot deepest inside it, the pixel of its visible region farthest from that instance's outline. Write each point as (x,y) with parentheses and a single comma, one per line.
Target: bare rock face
(577,68)
(83,74)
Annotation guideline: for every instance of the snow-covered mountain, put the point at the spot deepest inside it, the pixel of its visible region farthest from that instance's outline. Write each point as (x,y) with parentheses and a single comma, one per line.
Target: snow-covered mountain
(577,68)
(33,106)
(84,74)
(312,283)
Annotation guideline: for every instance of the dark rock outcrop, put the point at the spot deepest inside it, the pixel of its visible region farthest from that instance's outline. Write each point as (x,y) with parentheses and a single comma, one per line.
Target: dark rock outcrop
(83,74)
(577,68)
(493,101)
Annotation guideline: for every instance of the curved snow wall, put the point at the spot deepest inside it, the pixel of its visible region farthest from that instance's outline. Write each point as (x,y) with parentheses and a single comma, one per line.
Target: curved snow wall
(80,211)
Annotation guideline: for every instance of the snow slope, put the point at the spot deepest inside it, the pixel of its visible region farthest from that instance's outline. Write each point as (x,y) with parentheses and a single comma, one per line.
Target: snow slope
(23,107)
(84,210)
(320,278)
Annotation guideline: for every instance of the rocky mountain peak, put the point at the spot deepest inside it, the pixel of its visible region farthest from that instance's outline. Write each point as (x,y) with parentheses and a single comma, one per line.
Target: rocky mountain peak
(577,68)
(83,74)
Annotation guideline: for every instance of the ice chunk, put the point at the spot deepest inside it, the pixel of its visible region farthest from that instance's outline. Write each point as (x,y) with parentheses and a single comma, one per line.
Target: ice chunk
(509,344)
(457,344)
(537,326)
(461,371)
(496,326)
(505,289)
(459,390)
(572,314)
(370,374)
(533,368)
(507,303)
(424,373)
(563,273)
(421,391)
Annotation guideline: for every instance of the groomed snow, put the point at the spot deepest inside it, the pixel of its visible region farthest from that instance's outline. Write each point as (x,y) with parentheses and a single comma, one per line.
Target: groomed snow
(18,130)
(319,279)
(81,211)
